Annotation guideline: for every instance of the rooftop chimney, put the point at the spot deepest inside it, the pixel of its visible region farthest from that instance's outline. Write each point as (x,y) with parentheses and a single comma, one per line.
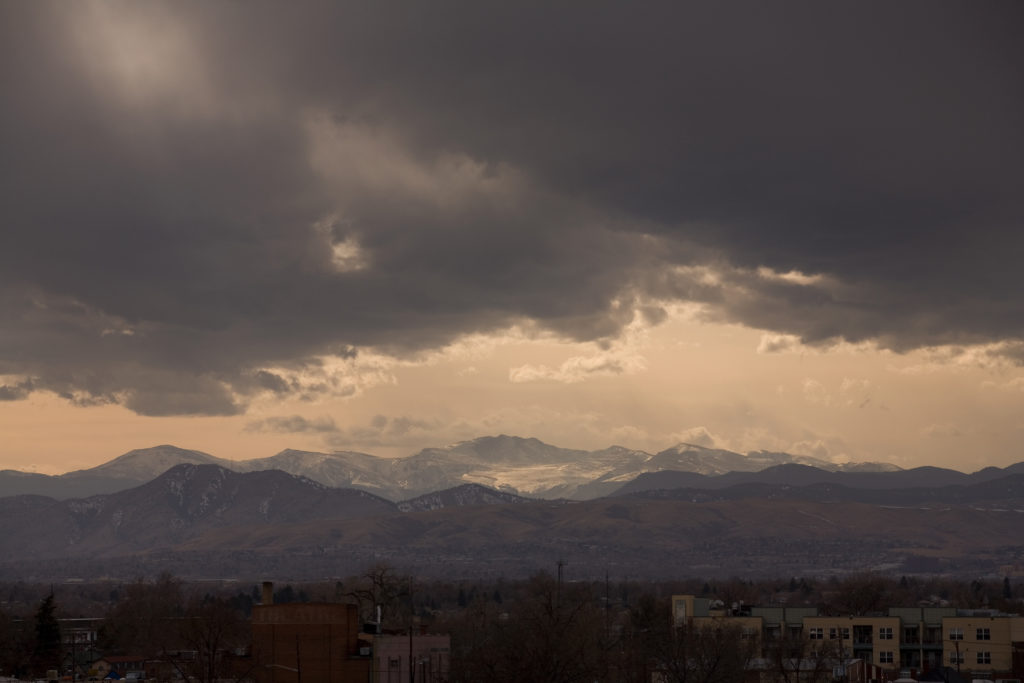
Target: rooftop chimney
(268,592)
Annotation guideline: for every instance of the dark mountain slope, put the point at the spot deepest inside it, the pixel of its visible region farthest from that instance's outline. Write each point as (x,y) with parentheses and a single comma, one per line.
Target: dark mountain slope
(185,502)
(1006,492)
(804,475)
(460,496)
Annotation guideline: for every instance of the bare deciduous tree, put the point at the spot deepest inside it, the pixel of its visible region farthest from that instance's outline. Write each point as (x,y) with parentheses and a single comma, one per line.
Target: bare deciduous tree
(796,659)
(382,586)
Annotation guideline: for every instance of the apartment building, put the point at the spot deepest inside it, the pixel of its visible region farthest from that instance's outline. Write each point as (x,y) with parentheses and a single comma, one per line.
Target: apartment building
(921,631)
(875,639)
(981,644)
(979,640)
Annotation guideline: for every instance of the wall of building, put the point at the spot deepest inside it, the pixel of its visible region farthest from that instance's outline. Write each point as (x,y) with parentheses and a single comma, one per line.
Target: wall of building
(307,642)
(430,655)
(983,643)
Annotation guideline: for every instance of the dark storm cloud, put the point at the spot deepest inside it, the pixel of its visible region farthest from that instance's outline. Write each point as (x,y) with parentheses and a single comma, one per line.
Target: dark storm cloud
(196,193)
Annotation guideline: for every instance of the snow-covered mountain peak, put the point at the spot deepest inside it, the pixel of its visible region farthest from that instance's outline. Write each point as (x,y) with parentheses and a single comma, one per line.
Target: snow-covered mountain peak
(525,466)
(144,464)
(684,447)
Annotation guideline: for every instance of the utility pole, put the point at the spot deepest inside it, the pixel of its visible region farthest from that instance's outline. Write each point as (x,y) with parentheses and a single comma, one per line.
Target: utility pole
(412,622)
(607,622)
(558,595)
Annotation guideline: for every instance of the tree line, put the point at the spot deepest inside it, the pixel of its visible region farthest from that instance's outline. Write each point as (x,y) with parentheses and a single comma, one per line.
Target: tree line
(547,627)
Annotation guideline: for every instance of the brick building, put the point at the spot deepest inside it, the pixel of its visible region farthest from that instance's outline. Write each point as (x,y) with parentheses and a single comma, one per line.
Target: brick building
(307,642)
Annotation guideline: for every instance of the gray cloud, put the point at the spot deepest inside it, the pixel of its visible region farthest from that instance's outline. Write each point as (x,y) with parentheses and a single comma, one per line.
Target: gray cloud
(383,430)
(15,392)
(196,193)
(193,396)
(293,424)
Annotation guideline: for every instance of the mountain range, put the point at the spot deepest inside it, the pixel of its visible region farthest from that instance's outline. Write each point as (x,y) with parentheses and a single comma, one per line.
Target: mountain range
(521,466)
(205,520)
(506,506)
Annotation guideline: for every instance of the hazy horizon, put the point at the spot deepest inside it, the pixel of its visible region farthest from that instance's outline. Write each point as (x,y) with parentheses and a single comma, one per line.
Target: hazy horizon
(811,460)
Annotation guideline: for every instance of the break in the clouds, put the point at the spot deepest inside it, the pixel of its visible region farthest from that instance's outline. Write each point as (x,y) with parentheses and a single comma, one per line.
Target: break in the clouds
(203,202)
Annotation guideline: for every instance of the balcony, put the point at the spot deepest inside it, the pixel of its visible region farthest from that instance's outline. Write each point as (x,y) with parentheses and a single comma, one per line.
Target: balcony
(863,637)
(932,638)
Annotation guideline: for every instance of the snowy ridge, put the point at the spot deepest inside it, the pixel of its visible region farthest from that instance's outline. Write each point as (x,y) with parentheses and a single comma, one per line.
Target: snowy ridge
(148,463)
(523,466)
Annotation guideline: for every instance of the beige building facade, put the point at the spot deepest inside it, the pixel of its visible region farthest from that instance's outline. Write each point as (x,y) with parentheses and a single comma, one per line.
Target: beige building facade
(981,644)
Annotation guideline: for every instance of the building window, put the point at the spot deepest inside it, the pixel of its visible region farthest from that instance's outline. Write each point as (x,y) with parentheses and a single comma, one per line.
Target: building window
(984,658)
(956,634)
(956,658)
(984,634)
(885,657)
(680,612)
(816,634)
(844,633)
(748,633)
(885,633)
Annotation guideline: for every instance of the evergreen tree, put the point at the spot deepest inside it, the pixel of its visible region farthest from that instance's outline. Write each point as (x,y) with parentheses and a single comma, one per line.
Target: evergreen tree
(46,654)
(16,644)
(285,595)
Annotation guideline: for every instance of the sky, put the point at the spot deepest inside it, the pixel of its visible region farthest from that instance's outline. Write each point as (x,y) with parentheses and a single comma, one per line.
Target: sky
(244,227)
